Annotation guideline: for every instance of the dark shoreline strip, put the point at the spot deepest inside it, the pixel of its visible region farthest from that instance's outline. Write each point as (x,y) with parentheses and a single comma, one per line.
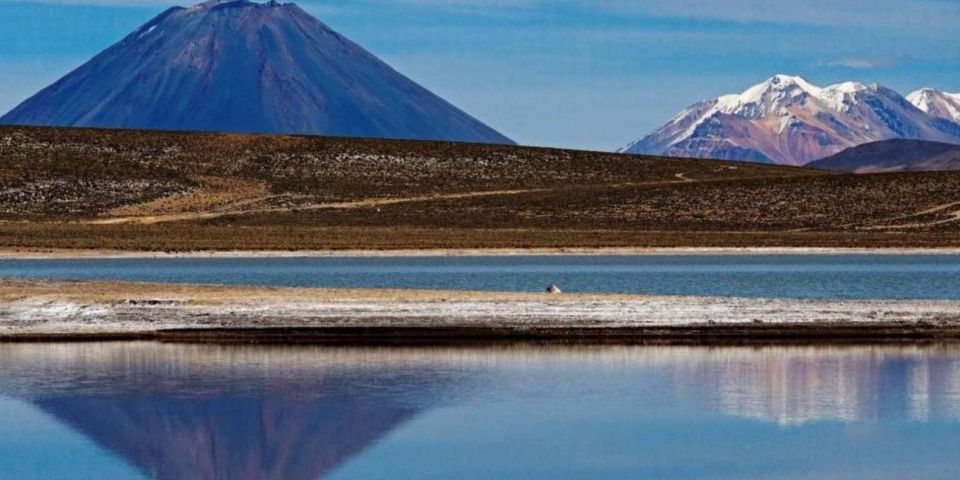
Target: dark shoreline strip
(747,334)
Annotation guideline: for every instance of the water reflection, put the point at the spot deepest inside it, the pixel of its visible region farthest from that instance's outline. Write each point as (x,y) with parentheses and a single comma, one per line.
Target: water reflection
(800,385)
(213,413)
(225,436)
(176,411)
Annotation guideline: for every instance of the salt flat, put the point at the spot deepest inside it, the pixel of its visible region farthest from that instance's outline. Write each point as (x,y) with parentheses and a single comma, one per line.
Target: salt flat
(64,310)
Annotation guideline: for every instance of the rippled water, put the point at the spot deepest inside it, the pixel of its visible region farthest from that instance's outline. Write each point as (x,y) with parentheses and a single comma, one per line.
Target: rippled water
(143,410)
(787,276)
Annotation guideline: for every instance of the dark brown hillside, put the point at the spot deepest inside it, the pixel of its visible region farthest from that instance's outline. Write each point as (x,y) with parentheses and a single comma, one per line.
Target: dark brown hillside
(71,188)
(894,156)
(51,173)
(827,203)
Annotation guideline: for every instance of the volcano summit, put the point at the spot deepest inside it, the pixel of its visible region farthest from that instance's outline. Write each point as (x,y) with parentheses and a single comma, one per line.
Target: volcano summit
(238,66)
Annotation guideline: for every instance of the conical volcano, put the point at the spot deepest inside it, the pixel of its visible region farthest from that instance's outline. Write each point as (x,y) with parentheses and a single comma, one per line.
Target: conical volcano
(237,66)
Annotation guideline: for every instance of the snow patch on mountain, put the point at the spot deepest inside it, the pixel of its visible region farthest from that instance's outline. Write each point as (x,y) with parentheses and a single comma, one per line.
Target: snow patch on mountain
(939,104)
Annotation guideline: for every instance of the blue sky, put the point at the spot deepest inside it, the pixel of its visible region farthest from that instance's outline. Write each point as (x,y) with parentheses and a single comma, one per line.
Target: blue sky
(568,73)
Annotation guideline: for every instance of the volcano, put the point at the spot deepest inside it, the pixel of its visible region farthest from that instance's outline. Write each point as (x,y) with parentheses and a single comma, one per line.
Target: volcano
(238,66)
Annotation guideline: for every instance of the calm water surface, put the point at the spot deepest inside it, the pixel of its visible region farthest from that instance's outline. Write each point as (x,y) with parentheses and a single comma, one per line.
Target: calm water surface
(788,276)
(142,410)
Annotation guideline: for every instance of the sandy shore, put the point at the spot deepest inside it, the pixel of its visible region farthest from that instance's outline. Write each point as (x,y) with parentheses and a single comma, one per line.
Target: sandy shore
(53,310)
(84,253)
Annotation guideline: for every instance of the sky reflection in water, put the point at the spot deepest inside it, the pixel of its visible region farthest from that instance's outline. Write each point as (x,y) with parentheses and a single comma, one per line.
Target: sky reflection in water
(134,410)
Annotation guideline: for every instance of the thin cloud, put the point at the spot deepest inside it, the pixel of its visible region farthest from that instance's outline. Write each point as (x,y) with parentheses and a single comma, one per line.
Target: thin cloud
(861,63)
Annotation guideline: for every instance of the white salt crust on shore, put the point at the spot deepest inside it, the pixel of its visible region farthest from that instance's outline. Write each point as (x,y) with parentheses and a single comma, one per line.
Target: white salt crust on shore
(45,314)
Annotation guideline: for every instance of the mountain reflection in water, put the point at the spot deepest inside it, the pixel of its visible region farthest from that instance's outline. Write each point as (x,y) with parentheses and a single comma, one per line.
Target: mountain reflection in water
(796,386)
(252,412)
(212,413)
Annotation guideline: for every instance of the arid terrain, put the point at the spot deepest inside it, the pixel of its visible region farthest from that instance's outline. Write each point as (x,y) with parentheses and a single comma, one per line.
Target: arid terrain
(156,191)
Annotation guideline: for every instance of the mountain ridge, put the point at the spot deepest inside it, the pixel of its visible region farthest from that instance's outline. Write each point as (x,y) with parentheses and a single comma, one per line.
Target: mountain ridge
(787,120)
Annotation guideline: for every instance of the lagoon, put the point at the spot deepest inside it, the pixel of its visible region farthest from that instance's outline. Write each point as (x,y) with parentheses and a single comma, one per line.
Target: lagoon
(150,410)
(814,276)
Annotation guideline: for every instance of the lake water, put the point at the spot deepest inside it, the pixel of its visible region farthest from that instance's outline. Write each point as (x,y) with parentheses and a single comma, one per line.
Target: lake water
(147,410)
(786,276)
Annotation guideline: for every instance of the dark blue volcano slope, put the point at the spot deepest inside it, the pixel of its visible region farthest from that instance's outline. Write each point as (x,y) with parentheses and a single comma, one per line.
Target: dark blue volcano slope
(237,66)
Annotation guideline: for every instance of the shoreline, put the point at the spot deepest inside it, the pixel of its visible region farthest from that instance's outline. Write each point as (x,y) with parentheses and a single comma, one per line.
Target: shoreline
(57,311)
(695,335)
(43,254)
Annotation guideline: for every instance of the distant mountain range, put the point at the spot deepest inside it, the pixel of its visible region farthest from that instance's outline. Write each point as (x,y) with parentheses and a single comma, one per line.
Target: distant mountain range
(897,155)
(786,120)
(237,66)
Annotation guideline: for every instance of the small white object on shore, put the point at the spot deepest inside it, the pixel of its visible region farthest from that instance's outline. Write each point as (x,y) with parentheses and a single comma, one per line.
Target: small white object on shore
(553,289)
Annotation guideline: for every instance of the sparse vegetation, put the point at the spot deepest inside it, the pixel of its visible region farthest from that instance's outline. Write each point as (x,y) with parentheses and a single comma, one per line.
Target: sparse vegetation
(79,188)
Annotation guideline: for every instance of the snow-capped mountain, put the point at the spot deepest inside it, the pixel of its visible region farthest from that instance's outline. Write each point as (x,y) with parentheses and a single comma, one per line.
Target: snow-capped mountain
(937,103)
(238,66)
(787,120)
